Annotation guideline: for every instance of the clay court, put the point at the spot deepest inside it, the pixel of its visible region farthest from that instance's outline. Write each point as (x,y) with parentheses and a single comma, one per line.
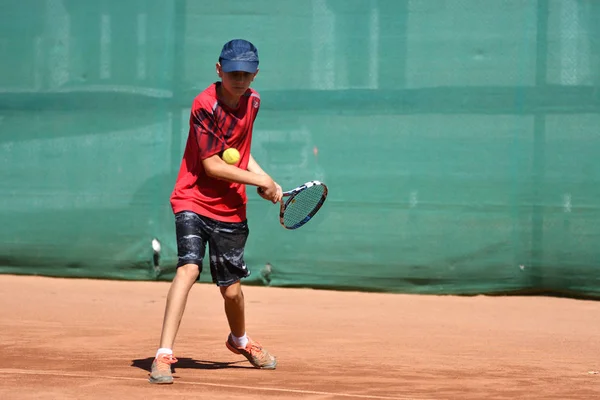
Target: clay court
(87,339)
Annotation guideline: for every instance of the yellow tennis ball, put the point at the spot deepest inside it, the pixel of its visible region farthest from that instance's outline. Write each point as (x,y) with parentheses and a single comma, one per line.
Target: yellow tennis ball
(231,156)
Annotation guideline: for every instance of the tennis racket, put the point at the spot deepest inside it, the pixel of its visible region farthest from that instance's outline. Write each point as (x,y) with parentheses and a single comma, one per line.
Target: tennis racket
(299,205)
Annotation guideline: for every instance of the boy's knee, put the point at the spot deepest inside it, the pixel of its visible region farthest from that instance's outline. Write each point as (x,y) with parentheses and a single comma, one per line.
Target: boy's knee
(189,272)
(232,292)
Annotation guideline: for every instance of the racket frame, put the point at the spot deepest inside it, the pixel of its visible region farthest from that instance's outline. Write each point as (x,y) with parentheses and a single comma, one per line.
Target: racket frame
(289,197)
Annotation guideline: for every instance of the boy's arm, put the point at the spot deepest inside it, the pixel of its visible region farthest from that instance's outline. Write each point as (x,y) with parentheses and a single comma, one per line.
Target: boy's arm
(255,168)
(216,168)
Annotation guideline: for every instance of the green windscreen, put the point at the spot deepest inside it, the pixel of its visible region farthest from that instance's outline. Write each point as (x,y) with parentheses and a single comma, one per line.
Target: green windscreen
(459,139)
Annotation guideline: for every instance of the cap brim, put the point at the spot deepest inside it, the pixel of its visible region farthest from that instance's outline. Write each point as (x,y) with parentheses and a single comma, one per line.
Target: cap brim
(245,66)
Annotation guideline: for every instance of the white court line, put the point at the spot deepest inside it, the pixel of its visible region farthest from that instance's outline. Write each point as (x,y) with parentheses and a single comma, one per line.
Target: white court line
(221,385)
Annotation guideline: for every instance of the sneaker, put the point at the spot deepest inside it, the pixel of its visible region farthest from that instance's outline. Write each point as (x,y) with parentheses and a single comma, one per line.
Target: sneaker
(254,352)
(161,369)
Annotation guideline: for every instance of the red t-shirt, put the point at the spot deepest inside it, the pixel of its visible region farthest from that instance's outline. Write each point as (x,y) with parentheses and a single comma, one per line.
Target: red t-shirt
(215,127)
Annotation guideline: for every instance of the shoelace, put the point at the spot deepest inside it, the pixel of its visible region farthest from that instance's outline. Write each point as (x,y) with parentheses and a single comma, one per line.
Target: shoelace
(256,350)
(164,361)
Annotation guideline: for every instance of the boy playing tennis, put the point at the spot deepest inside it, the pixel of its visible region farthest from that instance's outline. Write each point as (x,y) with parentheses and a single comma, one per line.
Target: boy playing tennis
(209,203)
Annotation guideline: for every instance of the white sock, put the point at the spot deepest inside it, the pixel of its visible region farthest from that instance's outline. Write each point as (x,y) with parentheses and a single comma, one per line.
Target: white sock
(164,350)
(240,341)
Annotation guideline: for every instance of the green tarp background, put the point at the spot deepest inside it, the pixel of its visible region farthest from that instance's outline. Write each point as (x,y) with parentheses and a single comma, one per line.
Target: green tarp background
(459,138)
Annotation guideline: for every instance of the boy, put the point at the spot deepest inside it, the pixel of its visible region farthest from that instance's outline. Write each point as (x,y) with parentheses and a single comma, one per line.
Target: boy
(209,203)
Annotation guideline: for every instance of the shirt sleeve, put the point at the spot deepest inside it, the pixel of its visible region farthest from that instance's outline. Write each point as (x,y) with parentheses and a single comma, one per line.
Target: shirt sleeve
(208,137)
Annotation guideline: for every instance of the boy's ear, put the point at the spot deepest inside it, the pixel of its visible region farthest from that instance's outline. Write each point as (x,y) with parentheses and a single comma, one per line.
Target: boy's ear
(219,70)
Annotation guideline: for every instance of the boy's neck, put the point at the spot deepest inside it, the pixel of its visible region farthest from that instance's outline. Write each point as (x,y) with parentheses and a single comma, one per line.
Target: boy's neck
(226,98)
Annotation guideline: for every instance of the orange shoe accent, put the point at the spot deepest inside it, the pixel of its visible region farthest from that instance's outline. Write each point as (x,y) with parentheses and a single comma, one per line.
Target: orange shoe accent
(161,369)
(258,356)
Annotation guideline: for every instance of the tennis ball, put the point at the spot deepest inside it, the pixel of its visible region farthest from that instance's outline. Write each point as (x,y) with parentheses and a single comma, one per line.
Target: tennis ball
(231,156)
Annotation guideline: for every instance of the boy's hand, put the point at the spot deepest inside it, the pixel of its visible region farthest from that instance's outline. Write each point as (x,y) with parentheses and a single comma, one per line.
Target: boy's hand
(270,190)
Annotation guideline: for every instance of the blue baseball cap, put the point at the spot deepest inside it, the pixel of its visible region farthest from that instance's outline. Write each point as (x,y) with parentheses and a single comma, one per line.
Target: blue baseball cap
(239,55)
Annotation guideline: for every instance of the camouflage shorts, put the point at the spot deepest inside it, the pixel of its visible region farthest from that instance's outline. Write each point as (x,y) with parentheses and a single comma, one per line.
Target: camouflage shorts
(226,242)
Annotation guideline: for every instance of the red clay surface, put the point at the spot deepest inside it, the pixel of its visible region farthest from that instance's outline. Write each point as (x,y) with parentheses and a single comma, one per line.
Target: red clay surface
(87,339)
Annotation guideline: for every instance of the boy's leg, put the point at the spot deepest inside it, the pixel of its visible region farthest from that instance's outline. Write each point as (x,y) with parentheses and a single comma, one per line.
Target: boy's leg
(191,245)
(228,267)
(237,341)
(185,277)
(233,297)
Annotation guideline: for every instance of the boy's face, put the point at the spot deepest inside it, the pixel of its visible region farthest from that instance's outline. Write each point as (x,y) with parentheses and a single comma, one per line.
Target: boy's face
(236,82)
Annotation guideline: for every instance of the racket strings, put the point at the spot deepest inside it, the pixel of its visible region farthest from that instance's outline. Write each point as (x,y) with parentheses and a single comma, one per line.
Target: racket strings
(302,205)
